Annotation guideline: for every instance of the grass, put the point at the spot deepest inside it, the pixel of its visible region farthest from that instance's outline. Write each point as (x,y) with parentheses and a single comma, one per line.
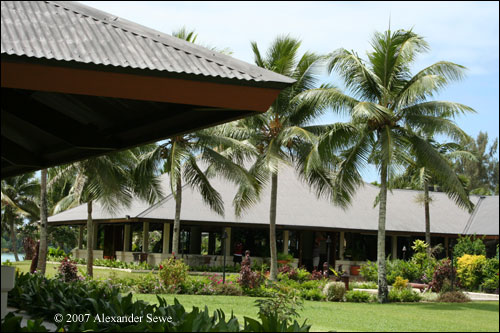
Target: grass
(99,273)
(326,316)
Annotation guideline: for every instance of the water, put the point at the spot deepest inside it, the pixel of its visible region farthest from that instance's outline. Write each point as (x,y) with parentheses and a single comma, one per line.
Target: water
(10,257)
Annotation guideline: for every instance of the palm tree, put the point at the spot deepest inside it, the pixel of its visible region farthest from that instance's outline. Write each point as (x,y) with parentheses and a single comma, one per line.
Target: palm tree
(110,179)
(282,135)
(19,201)
(42,250)
(180,158)
(419,177)
(387,109)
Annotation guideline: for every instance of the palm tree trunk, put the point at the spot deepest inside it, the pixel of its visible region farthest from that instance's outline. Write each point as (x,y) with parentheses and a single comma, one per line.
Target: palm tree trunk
(90,240)
(427,218)
(272,227)
(177,220)
(13,237)
(382,278)
(42,252)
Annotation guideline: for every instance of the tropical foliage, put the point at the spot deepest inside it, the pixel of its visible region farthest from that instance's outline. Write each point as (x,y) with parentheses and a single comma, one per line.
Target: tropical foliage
(390,119)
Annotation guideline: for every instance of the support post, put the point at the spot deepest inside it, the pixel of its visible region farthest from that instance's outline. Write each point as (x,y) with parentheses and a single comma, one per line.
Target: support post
(95,232)
(166,238)
(227,248)
(285,241)
(145,237)
(126,238)
(80,237)
(394,247)
(446,246)
(341,245)
(195,241)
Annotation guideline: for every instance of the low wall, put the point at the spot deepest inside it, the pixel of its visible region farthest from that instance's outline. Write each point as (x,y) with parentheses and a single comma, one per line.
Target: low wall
(190,259)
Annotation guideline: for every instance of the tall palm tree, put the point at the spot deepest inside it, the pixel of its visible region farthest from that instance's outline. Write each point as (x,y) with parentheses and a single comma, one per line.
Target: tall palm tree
(283,135)
(42,249)
(110,179)
(417,176)
(183,158)
(19,201)
(388,108)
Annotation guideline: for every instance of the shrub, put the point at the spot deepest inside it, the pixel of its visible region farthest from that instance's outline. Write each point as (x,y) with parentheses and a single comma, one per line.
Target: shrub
(490,283)
(363,285)
(303,274)
(248,278)
(173,272)
(334,291)
(453,297)
(229,289)
(442,274)
(400,283)
(469,245)
(358,296)
(287,271)
(316,275)
(404,295)
(470,270)
(313,294)
(68,270)
(149,284)
(406,269)
(369,271)
(43,298)
(283,306)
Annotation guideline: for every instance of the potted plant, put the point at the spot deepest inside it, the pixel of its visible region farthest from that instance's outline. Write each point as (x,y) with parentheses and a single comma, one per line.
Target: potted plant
(357,255)
(284,258)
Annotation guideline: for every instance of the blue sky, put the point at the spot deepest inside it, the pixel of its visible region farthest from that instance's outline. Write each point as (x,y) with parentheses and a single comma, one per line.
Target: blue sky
(462,32)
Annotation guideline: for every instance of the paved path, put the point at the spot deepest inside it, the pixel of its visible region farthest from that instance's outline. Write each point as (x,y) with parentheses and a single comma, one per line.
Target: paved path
(472,296)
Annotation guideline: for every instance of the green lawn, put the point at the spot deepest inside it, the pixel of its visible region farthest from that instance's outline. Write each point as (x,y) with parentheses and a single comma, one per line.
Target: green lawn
(100,273)
(325,316)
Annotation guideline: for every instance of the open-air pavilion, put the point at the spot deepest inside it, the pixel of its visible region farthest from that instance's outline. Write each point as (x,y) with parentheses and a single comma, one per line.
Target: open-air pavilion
(78,82)
(301,218)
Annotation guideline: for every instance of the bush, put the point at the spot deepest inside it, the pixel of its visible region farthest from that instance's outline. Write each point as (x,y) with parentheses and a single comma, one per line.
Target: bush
(229,289)
(470,270)
(248,278)
(43,298)
(358,296)
(303,275)
(334,291)
(369,271)
(68,270)
(469,245)
(404,295)
(363,285)
(400,283)
(453,297)
(313,294)
(149,284)
(283,306)
(442,275)
(288,272)
(490,283)
(173,272)
(406,269)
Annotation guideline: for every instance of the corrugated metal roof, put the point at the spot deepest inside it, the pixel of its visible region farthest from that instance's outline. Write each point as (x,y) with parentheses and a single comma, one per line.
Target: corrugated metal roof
(484,219)
(299,207)
(69,31)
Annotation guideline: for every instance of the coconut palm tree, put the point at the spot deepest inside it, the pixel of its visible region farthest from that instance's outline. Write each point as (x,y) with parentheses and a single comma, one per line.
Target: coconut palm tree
(284,134)
(184,157)
(42,249)
(112,180)
(388,108)
(19,201)
(419,177)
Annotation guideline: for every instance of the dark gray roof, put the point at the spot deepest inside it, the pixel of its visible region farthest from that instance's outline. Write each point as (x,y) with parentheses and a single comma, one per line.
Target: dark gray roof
(72,32)
(298,207)
(484,219)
